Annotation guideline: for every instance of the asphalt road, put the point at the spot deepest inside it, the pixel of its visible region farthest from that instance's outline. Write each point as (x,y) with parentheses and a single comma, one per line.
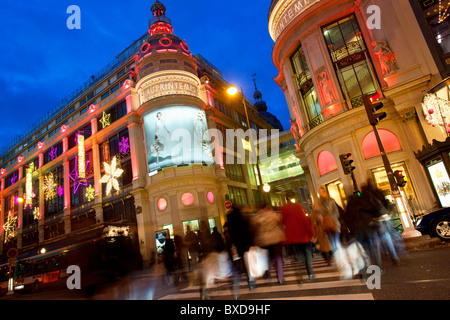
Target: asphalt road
(421,275)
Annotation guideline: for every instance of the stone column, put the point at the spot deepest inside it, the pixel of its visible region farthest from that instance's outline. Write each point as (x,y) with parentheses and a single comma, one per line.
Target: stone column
(145,226)
(138,152)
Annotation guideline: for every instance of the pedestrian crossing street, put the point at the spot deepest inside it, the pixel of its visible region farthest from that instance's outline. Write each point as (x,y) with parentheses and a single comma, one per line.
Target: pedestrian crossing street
(327,286)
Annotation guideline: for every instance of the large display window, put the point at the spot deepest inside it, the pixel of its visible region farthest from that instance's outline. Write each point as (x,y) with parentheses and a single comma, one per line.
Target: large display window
(441,181)
(176,136)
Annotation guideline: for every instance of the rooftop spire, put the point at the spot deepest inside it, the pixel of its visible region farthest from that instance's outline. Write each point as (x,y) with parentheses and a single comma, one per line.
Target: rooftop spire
(159,23)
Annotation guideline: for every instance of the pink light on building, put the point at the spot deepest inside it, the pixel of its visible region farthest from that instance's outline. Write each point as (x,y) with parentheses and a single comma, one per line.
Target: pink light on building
(389,140)
(210,197)
(162,204)
(326,162)
(187,199)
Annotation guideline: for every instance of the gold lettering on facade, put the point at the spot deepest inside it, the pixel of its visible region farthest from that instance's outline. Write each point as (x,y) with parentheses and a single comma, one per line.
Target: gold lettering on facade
(292,12)
(168,86)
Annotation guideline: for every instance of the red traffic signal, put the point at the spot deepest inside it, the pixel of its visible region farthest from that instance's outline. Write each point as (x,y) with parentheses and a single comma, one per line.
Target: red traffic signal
(400,178)
(372,108)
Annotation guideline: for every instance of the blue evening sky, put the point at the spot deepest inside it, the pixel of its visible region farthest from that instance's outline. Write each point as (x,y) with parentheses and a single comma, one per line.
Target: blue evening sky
(42,61)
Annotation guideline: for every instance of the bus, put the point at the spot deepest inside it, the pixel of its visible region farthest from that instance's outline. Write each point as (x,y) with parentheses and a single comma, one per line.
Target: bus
(100,260)
(4,278)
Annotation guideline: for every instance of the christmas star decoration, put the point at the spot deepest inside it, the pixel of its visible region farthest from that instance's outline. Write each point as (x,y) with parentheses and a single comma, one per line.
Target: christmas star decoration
(50,187)
(36,213)
(74,176)
(111,175)
(124,145)
(53,153)
(10,227)
(105,120)
(90,193)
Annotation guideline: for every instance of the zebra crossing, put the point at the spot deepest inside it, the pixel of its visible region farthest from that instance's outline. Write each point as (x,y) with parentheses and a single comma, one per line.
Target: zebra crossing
(327,285)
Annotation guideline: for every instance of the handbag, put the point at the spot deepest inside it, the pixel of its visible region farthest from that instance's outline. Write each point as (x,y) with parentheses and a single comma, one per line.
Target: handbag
(328,225)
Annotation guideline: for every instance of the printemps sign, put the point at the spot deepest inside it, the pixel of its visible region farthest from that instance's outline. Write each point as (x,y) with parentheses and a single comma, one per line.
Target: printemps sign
(168,85)
(287,14)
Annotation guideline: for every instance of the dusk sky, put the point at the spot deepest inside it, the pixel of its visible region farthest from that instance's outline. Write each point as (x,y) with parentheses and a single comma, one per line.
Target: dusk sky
(42,61)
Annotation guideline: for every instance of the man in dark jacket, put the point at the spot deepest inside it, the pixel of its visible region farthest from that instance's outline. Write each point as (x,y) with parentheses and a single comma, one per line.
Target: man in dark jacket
(241,237)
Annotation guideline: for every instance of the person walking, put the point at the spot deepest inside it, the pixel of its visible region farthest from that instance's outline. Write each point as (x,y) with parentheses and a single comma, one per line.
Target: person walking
(240,239)
(192,242)
(269,234)
(321,236)
(299,233)
(330,213)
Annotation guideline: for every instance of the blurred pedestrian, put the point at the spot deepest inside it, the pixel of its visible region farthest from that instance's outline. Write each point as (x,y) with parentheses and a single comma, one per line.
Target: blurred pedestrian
(385,231)
(205,240)
(240,237)
(321,236)
(299,234)
(361,217)
(169,257)
(330,214)
(181,256)
(217,242)
(193,246)
(269,234)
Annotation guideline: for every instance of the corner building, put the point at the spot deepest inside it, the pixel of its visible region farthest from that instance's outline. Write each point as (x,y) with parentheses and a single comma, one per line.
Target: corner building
(126,123)
(329,54)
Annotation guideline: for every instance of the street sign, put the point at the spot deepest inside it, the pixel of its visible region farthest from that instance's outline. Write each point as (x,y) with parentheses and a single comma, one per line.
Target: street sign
(12,262)
(12,253)
(228,205)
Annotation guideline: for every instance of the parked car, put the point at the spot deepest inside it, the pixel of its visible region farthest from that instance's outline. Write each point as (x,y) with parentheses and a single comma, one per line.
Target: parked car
(435,224)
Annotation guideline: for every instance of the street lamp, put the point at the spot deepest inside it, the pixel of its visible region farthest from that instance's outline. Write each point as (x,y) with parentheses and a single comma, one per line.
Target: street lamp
(232,91)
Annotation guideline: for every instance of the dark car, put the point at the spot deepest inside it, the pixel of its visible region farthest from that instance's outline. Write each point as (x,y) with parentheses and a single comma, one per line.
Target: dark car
(436,224)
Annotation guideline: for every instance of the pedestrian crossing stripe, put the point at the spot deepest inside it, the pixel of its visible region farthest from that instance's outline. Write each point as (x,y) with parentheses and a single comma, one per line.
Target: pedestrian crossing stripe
(327,285)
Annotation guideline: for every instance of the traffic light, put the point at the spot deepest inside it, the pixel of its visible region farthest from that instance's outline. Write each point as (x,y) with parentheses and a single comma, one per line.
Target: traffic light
(372,108)
(400,178)
(347,163)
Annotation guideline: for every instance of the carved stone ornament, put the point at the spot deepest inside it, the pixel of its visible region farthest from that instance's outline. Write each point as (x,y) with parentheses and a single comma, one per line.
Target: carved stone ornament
(387,57)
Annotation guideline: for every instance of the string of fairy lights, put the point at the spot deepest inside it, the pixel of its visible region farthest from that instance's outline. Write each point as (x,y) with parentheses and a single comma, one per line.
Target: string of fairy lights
(51,189)
(443,13)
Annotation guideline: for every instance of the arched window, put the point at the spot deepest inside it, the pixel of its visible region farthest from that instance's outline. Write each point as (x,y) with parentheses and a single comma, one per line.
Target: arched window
(370,145)
(326,162)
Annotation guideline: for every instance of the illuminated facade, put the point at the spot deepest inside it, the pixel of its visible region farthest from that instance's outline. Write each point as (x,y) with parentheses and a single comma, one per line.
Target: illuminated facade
(107,157)
(329,53)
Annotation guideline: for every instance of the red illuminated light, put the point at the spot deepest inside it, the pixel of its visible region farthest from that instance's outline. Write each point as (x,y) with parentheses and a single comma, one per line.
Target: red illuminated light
(375,97)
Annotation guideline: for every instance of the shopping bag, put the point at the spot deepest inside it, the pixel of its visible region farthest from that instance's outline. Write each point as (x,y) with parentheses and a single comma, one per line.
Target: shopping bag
(256,261)
(351,260)
(225,269)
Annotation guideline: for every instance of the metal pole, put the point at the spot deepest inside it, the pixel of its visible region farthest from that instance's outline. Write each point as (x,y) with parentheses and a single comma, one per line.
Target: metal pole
(408,227)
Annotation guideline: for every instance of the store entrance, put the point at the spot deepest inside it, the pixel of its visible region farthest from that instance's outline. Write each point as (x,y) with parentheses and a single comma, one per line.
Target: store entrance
(380,177)
(336,191)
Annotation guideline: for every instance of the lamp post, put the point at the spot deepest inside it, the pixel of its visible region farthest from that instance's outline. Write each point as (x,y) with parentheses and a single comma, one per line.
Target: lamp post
(232,91)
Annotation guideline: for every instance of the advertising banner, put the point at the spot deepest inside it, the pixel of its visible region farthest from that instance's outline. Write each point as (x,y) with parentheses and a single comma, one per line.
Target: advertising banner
(176,136)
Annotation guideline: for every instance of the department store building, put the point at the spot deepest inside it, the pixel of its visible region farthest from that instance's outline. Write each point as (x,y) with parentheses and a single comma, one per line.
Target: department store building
(105,160)
(329,53)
